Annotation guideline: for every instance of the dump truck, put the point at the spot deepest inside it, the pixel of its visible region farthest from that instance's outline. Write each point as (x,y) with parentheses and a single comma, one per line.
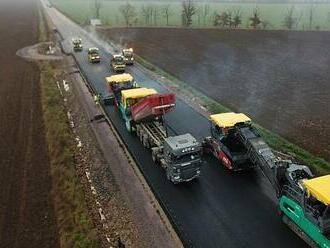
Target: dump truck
(117,83)
(117,63)
(77,46)
(128,56)
(303,199)
(94,55)
(143,111)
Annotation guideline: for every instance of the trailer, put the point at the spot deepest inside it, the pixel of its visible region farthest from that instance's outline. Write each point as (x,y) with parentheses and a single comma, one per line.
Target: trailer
(143,111)
(304,200)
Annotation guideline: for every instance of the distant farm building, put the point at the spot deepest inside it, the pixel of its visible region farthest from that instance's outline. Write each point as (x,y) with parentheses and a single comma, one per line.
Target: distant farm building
(95,22)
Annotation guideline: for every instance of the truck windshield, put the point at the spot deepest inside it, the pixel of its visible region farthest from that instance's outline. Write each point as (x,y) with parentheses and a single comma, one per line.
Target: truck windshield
(119,60)
(187,157)
(128,54)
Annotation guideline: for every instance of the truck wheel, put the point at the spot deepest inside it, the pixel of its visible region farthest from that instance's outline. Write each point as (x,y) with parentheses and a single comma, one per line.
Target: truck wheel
(128,126)
(168,175)
(146,143)
(154,157)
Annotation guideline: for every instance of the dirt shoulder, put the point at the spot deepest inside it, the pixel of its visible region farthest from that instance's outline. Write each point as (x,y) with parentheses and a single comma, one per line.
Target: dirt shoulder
(27,217)
(279,78)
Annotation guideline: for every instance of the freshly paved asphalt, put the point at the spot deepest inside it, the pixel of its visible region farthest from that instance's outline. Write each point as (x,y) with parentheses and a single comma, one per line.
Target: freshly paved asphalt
(220,209)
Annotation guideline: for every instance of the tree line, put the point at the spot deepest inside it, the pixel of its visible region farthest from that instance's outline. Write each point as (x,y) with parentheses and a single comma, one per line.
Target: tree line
(152,14)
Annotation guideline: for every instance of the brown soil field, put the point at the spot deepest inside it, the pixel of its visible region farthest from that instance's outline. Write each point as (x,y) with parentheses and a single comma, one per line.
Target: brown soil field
(27,216)
(280,79)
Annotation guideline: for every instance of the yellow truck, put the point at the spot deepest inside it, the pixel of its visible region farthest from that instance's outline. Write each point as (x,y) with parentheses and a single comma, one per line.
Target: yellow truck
(117,63)
(94,55)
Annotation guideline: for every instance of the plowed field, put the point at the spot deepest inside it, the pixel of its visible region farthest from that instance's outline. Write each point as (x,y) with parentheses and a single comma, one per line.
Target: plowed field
(26,208)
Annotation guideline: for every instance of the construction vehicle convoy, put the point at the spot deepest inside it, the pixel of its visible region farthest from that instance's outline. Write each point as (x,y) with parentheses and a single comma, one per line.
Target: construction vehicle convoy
(304,201)
(77,46)
(128,56)
(143,111)
(94,55)
(117,63)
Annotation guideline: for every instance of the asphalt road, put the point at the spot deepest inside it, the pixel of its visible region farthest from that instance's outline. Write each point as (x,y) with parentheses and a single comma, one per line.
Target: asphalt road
(220,209)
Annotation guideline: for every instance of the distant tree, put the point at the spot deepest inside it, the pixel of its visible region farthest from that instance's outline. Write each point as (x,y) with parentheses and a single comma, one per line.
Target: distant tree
(237,18)
(206,11)
(128,12)
(265,24)
(255,20)
(289,20)
(224,20)
(156,14)
(311,17)
(188,11)
(167,12)
(97,7)
(199,12)
(147,11)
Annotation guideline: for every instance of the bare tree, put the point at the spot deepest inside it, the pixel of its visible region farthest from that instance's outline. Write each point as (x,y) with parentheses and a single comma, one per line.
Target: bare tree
(147,13)
(289,20)
(311,17)
(255,19)
(97,7)
(167,12)
(128,12)
(188,11)
(156,14)
(206,12)
(199,12)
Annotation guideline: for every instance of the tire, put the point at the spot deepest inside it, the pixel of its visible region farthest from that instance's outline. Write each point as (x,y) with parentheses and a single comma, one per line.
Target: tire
(146,143)
(168,175)
(128,126)
(154,157)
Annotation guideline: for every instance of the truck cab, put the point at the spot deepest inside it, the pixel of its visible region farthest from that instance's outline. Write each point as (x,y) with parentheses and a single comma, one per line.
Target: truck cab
(117,83)
(117,63)
(128,56)
(224,142)
(77,46)
(94,55)
(309,209)
(181,158)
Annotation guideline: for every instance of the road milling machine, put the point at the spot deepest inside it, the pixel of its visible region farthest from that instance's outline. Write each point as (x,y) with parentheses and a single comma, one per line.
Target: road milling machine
(304,200)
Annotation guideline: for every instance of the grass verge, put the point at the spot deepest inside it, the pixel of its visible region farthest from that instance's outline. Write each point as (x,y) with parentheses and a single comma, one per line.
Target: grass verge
(317,164)
(73,221)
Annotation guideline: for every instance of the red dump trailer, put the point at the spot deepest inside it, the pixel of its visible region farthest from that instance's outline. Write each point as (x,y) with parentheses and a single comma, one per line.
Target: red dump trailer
(152,107)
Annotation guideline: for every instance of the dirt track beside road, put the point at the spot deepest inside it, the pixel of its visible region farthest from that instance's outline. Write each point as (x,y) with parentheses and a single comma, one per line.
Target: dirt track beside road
(26,208)
(280,79)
